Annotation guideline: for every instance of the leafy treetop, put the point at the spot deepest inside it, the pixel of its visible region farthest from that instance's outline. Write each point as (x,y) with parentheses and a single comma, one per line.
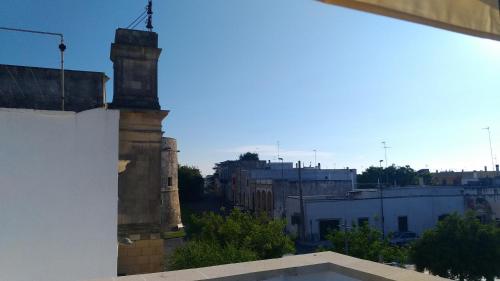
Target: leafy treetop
(249,156)
(365,242)
(460,247)
(238,237)
(392,175)
(191,184)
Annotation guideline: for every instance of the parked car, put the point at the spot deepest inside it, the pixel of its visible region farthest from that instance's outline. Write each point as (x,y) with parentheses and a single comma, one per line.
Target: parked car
(402,238)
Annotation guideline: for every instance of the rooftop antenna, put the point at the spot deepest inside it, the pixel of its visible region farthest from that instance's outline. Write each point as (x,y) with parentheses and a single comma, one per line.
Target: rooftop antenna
(491,149)
(278,142)
(315,162)
(385,152)
(149,22)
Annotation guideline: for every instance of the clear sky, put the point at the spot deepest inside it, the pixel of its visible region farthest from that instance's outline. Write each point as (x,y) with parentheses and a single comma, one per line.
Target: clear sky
(242,75)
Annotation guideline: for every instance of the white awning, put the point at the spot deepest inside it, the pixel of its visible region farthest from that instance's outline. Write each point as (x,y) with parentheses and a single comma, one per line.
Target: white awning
(474,17)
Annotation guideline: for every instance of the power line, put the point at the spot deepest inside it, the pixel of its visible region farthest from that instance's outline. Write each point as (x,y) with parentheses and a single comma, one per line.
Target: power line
(137,19)
(147,15)
(143,18)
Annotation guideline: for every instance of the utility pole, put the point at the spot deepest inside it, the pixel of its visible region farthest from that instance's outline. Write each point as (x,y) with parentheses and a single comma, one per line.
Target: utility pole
(301,198)
(283,188)
(346,241)
(491,148)
(381,194)
(62,48)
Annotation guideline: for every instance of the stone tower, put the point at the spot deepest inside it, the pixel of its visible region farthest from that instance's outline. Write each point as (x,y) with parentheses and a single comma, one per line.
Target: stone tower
(135,58)
(170,207)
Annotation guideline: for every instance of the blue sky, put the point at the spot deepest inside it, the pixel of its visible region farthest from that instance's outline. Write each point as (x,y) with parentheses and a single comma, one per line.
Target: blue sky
(242,75)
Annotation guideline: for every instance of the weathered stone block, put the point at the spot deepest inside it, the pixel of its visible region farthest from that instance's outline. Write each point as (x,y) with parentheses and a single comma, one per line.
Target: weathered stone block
(147,251)
(143,260)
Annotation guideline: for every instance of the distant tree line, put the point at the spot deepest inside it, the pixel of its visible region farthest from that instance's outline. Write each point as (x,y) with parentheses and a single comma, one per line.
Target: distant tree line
(392,176)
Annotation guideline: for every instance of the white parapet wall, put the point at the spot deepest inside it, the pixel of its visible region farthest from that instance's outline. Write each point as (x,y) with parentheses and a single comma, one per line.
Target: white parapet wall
(324,266)
(58,194)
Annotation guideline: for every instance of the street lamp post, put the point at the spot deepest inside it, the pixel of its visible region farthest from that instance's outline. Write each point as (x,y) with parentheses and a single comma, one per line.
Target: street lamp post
(62,48)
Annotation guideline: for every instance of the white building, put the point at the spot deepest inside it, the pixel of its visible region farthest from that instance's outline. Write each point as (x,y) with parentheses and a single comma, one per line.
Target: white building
(414,209)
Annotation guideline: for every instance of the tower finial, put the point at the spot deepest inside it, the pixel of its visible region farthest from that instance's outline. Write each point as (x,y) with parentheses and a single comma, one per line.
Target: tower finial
(149,23)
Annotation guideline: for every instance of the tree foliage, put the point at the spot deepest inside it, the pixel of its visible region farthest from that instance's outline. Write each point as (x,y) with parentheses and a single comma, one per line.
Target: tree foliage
(460,247)
(365,242)
(249,156)
(191,184)
(238,237)
(391,175)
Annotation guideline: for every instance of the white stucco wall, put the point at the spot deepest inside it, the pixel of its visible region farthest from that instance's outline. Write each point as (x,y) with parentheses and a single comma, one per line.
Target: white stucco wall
(58,194)
(422,206)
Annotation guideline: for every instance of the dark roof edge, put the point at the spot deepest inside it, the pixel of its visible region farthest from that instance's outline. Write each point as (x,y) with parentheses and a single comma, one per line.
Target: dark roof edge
(56,69)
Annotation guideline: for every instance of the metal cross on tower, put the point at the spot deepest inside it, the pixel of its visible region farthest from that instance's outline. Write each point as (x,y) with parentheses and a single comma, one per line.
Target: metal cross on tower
(149,22)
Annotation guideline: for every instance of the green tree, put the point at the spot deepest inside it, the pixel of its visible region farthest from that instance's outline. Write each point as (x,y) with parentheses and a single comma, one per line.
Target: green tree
(238,237)
(249,156)
(191,184)
(460,247)
(203,253)
(365,242)
(399,175)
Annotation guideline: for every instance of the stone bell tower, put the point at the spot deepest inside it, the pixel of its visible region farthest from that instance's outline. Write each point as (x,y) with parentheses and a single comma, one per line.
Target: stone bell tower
(135,59)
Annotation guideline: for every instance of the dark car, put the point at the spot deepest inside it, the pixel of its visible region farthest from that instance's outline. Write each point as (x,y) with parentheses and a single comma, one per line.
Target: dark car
(402,238)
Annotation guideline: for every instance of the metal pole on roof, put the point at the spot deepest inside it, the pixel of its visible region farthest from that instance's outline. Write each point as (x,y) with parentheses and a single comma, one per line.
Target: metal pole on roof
(491,148)
(62,48)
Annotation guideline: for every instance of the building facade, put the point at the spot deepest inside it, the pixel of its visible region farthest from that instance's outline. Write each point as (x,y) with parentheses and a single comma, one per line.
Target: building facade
(262,187)
(414,209)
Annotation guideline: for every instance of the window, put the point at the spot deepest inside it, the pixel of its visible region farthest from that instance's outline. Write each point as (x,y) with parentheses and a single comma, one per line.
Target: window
(403,224)
(169,181)
(327,226)
(362,221)
(295,219)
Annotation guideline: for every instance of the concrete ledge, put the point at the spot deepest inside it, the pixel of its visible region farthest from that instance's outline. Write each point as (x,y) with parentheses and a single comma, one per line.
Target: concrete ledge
(331,265)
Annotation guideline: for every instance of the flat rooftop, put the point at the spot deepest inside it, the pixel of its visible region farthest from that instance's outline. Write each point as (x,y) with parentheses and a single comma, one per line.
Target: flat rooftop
(311,267)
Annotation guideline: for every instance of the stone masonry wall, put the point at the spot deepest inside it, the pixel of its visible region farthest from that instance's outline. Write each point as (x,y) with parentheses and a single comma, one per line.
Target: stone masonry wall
(170,207)
(141,257)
